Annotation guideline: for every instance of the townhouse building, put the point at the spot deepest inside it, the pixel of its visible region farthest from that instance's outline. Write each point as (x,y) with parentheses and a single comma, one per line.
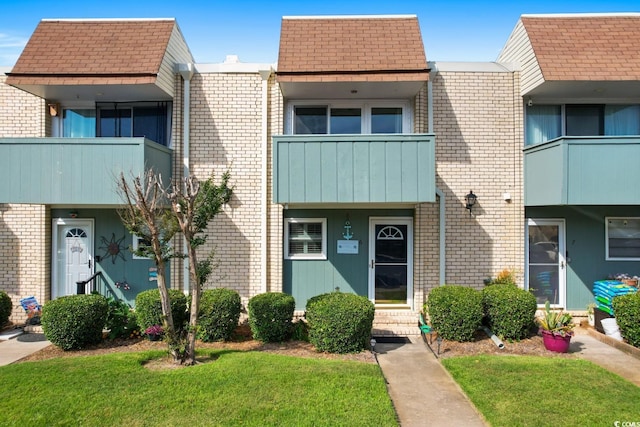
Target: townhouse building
(358,164)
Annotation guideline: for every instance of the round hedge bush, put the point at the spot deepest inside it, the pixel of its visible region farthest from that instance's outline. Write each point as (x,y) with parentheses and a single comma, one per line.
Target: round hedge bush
(219,314)
(75,321)
(340,322)
(5,307)
(270,316)
(149,308)
(455,311)
(509,310)
(627,310)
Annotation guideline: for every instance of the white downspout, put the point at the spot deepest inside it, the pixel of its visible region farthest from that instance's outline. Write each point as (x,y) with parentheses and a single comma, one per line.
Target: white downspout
(264,202)
(186,71)
(441,199)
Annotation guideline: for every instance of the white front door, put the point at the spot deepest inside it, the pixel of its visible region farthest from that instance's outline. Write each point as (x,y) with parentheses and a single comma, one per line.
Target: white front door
(391,261)
(72,254)
(546,264)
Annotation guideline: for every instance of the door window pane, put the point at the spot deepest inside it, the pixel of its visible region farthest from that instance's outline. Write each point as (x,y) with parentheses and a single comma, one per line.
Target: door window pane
(386,120)
(310,120)
(543,124)
(346,121)
(78,123)
(622,120)
(585,120)
(115,122)
(151,123)
(544,263)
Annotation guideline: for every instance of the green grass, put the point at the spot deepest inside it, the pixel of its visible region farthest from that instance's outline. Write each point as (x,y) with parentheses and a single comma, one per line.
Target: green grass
(247,388)
(541,391)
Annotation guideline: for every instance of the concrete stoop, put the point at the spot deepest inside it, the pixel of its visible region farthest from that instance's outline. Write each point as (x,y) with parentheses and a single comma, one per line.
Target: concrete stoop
(395,323)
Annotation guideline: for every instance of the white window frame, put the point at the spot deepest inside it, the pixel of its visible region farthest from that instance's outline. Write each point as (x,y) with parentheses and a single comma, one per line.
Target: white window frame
(606,237)
(134,246)
(364,105)
(320,256)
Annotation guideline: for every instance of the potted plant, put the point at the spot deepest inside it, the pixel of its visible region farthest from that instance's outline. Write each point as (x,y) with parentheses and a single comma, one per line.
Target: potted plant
(557,329)
(154,333)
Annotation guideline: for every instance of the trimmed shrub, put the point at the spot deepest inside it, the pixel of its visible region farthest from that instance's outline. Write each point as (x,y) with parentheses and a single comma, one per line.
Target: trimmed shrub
(74,321)
(219,314)
(455,311)
(509,310)
(340,322)
(627,310)
(149,308)
(270,316)
(5,307)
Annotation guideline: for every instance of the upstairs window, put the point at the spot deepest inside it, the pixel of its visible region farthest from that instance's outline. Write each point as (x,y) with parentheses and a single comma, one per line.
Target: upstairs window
(151,120)
(351,118)
(547,122)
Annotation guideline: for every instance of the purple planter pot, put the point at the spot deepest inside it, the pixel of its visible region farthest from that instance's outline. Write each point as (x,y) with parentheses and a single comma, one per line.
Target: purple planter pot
(557,343)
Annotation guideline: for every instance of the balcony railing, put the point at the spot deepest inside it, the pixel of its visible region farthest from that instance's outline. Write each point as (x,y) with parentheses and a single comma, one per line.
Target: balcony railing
(78,171)
(389,168)
(602,170)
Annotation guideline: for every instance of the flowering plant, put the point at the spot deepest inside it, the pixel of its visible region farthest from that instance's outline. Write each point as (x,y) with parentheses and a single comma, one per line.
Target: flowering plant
(154,330)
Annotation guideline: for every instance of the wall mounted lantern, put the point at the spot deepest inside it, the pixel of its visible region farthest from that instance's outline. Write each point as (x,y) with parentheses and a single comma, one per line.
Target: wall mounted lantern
(471,200)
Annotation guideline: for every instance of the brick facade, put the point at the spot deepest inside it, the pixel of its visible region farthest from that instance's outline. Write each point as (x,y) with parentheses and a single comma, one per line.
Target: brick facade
(478,127)
(24,229)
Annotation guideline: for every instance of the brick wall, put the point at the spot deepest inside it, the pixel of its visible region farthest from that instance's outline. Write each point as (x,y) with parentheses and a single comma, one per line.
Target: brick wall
(225,122)
(21,114)
(25,248)
(478,127)
(24,238)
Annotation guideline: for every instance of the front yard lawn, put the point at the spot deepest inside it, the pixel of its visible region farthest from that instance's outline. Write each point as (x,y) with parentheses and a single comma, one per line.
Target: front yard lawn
(544,391)
(248,388)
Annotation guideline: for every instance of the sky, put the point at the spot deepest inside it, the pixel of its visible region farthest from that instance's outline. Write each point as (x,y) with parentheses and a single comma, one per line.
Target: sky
(451,30)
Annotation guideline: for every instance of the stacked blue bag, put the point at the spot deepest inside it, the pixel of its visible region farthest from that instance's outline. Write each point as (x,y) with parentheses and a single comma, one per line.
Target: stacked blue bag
(605,290)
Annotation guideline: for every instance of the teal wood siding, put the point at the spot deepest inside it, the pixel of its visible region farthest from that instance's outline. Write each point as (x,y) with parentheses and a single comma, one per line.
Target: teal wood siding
(583,171)
(394,168)
(121,267)
(585,237)
(80,171)
(350,272)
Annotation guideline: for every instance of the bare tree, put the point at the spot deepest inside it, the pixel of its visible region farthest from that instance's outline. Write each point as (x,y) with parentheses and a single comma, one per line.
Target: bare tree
(194,205)
(146,214)
(157,214)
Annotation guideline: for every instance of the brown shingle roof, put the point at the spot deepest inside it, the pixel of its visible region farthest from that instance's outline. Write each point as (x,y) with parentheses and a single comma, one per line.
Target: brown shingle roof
(73,52)
(605,47)
(358,48)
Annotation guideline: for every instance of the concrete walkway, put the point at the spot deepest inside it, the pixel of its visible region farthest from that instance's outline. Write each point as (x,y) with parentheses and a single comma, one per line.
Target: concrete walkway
(20,346)
(422,391)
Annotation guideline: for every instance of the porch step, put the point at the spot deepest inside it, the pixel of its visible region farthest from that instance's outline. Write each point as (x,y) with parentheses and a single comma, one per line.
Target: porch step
(395,323)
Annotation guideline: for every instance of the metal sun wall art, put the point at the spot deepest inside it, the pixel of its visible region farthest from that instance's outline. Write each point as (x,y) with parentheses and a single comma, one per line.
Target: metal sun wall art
(113,248)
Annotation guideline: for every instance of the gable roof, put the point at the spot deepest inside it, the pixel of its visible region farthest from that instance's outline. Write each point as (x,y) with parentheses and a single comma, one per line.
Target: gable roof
(73,51)
(351,48)
(585,46)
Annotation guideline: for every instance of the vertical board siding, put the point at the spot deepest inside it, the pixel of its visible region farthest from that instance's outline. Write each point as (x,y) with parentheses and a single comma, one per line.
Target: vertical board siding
(583,171)
(69,170)
(354,169)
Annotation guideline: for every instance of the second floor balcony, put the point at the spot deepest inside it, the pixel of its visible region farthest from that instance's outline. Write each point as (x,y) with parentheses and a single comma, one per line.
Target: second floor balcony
(77,171)
(583,170)
(367,168)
